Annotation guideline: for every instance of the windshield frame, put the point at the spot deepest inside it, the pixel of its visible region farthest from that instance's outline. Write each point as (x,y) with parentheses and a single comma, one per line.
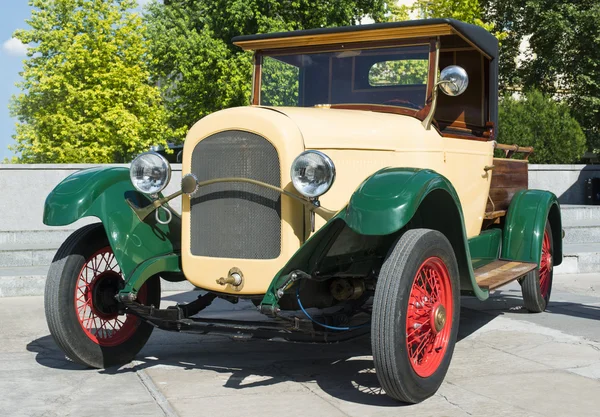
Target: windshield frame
(419,114)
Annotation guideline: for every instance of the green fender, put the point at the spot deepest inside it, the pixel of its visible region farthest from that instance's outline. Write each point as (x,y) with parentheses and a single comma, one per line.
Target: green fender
(102,193)
(385,203)
(525,223)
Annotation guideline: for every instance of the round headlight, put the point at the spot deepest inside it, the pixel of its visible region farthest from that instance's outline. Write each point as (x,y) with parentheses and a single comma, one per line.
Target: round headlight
(312,173)
(150,173)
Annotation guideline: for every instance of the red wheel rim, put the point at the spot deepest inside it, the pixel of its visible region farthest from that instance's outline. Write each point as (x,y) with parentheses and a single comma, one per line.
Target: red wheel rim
(429,317)
(100,322)
(545,272)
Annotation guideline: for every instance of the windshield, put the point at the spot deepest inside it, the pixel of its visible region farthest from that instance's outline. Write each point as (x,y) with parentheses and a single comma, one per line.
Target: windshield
(385,76)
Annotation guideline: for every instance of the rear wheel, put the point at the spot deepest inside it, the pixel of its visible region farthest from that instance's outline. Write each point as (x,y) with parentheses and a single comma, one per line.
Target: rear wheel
(415,315)
(81,309)
(537,285)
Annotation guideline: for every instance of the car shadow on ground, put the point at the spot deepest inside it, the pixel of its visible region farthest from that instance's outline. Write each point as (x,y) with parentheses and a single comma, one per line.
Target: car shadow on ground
(511,301)
(343,370)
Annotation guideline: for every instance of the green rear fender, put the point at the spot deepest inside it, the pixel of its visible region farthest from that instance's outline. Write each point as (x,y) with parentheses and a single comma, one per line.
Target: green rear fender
(103,193)
(384,204)
(525,223)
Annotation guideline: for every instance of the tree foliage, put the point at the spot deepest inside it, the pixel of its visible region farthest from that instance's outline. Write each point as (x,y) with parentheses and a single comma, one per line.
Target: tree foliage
(468,11)
(399,72)
(86,96)
(539,121)
(563,56)
(280,83)
(201,71)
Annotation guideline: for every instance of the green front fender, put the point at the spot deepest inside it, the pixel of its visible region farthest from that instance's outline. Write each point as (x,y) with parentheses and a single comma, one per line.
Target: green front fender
(525,223)
(394,198)
(103,193)
(384,204)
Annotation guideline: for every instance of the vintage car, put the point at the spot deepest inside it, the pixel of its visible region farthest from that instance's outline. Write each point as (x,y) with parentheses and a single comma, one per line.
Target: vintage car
(360,193)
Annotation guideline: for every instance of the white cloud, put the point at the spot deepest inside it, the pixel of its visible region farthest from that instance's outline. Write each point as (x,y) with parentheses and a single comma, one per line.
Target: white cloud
(14,47)
(143,2)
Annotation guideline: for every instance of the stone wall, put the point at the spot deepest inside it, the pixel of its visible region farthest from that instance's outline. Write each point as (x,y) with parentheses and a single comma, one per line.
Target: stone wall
(566,181)
(25,187)
(24,190)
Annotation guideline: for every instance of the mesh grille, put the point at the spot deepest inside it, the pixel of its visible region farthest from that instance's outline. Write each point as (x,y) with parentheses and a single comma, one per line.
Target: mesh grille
(236,220)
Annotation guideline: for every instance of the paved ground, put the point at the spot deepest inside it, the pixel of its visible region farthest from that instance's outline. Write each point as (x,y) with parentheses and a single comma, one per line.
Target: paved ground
(507,362)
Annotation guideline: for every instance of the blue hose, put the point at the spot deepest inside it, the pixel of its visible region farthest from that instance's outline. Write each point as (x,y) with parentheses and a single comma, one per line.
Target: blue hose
(325,325)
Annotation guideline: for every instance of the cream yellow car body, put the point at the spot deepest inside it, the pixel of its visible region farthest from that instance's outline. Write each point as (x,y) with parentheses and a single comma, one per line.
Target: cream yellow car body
(359,143)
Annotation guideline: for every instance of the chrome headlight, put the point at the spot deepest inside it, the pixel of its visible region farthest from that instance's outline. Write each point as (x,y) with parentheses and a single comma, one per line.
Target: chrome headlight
(150,173)
(312,173)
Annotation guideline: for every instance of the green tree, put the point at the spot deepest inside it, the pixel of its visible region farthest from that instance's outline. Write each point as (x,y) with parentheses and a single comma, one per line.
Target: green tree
(563,55)
(468,11)
(539,121)
(201,71)
(86,95)
(401,72)
(280,83)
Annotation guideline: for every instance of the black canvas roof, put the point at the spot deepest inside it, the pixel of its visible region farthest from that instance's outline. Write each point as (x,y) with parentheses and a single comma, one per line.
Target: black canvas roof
(475,34)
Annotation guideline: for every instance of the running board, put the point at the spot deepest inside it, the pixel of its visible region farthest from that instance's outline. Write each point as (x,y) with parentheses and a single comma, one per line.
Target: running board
(498,273)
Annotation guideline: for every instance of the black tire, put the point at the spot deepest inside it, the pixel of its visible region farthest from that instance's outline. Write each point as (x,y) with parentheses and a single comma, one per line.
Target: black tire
(62,310)
(389,334)
(536,298)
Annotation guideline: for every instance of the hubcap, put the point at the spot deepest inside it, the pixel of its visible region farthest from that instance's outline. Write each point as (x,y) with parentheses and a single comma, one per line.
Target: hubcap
(438,318)
(429,317)
(103,291)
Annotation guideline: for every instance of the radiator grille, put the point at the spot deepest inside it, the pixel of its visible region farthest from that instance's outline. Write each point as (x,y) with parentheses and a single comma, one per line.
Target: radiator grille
(236,220)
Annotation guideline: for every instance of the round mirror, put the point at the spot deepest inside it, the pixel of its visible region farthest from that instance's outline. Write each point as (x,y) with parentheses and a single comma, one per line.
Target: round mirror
(453,80)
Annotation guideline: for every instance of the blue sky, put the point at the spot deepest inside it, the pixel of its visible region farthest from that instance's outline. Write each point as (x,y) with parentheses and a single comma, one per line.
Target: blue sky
(12,53)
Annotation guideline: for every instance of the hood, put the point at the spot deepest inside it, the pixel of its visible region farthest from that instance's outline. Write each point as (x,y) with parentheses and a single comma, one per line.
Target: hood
(318,128)
(324,128)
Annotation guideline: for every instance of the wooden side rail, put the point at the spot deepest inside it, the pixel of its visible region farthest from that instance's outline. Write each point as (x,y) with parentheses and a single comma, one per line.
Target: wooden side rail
(510,150)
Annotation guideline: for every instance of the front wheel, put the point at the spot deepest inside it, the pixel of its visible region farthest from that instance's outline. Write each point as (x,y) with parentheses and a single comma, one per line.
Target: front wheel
(416,311)
(81,309)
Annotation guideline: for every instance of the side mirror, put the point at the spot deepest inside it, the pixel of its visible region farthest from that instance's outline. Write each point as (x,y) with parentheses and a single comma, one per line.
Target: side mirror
(453,80)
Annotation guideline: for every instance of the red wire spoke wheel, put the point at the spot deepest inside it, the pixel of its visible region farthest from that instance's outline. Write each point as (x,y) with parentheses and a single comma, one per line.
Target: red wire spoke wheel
(537,285)
(546,265)
(82,313)
(429,306)
(99,280)
(415,315)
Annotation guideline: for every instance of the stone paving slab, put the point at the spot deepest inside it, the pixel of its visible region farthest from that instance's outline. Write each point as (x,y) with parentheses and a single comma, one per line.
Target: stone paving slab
(581,284)
(506,363)
(37,380)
